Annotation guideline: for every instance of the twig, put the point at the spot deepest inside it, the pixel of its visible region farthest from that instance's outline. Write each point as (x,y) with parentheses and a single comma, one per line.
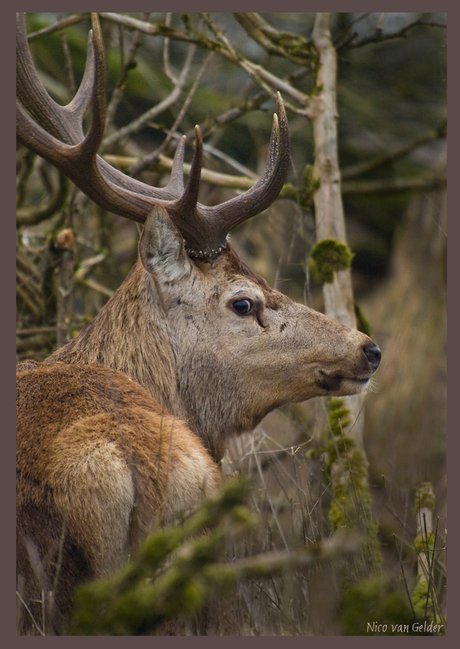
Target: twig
(26,165)
(24,262)
(165,164)
(67,59)
(266,80)
(270,563)
(273,41)
(276,604)
(153,29)
(97,286)
(275,517)
(120,85)
(381,160)
(33,215)
(40,631)
(151,159)
(394,185)
(404,575)
(28,289)
(378,37)
(61,24)
(167,67)
(35,342)
(139,123)
(349,35)
(30,331)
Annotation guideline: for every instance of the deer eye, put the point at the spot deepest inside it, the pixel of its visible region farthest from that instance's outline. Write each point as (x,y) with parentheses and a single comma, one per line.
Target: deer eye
(242,307)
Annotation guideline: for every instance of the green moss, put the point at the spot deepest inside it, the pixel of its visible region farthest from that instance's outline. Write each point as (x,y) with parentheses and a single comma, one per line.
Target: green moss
(420,595)
(421,600)
(424,544)
(186,19)
(362,323)
(315,63)
(170,576)
(327,257)
(310,186)
(375,607)
(346,468)
(222,577)
(424,497)
(289,191)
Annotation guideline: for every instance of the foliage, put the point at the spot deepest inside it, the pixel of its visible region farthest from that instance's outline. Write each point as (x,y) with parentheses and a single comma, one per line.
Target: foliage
(176,571)
(375,607)
(362,323)
(346,468)
(153,587)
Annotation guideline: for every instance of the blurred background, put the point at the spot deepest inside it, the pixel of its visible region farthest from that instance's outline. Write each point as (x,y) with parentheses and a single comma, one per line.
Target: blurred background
(391,95)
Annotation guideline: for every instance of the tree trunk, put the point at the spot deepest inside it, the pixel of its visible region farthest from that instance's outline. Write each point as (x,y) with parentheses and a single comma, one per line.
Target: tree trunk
(329,216)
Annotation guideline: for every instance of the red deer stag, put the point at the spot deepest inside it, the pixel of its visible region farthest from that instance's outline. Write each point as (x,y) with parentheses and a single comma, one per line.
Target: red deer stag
(125,426)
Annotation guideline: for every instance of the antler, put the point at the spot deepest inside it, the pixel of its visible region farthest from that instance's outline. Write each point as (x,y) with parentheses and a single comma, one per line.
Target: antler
(55,132)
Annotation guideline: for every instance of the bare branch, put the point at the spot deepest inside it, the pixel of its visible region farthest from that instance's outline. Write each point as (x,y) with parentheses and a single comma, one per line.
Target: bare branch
(153,29)
(32,215)
(141,121)
(274,42)
(68,60)
(167,67)
(25,165)
(28,292)
(266,80)
(164,164)
(35,343)
(151,159)
(347,34)
(119,87)
(270,563)
(378,37)
(30,331)
(379,161)
(394,185)
(61,24)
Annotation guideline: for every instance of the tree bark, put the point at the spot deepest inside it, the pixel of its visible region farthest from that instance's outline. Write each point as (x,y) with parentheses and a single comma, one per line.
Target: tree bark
(329,215)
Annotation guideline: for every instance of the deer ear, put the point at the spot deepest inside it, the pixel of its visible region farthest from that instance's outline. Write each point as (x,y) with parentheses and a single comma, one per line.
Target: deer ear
(161,248)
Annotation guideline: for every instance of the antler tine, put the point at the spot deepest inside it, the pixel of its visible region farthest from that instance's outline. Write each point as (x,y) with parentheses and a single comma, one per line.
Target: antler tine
(207,228)
(109,187)
(64,122)
(184,211)
(263,193)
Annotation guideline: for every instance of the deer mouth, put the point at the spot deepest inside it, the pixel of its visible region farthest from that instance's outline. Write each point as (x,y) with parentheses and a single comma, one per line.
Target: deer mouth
(343,385)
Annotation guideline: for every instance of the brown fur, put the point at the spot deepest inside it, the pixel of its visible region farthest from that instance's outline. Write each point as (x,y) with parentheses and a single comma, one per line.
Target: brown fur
(88,473)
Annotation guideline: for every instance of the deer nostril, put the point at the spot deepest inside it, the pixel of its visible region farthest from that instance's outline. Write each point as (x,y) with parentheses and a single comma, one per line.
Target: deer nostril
(373,355)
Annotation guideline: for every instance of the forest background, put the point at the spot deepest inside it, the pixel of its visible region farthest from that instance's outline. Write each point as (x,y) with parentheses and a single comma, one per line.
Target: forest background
(221,71)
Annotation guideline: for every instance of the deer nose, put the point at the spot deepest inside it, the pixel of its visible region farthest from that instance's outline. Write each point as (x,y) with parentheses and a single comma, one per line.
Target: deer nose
(373,355)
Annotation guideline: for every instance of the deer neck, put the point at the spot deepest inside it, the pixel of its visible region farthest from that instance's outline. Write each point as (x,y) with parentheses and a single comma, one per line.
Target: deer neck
(131,334)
